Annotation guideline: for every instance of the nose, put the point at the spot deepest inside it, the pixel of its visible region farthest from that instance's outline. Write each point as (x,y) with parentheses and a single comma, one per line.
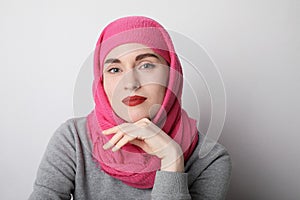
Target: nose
(131,80)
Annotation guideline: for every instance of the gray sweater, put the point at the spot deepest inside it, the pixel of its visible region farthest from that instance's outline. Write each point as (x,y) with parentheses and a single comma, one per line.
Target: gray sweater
(67,169)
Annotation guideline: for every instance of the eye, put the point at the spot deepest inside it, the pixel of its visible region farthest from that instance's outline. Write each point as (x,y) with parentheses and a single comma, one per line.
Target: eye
(147,66)
(114,70)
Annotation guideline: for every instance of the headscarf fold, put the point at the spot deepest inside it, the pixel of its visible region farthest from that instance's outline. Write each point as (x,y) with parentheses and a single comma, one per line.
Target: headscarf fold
(131,164)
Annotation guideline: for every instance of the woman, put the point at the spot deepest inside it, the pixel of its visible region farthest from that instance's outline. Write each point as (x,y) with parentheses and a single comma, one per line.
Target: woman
(137,143)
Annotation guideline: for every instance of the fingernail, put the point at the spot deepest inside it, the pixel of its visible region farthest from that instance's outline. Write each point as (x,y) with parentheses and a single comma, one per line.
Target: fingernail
(115,149)
(107,146)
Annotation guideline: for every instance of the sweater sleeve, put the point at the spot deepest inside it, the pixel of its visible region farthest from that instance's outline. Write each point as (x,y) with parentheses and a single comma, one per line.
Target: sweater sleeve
(170,185)
(210,178)
(56,173)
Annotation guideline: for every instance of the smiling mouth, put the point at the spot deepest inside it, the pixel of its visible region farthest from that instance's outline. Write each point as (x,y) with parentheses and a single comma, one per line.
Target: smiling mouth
(133,100)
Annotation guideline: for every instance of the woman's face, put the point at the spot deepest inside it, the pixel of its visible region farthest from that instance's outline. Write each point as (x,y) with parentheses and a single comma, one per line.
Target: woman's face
(135,80)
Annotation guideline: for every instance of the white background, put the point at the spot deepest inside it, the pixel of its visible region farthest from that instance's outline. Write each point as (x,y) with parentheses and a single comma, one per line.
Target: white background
(254,43)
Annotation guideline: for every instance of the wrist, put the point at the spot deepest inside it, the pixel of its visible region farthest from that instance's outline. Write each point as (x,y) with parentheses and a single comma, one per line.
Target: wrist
(173,163)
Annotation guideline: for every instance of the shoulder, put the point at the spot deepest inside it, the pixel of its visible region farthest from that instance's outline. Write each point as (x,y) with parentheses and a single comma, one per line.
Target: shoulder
(73,131)
(72,126)
(208,157)
(75,124)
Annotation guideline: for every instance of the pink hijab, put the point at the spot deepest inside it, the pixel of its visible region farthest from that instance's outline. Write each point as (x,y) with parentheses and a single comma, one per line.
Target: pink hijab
(131,164)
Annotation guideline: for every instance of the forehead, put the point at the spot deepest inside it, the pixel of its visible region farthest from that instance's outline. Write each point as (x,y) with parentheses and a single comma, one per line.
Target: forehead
(125,49)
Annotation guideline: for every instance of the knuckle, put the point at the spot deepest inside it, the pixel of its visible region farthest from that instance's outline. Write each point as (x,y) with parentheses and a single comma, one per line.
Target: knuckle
(127,137)
(143,122)
(146,120)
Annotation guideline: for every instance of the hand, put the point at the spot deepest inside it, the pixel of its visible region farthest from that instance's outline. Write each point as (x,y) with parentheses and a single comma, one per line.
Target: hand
(151,139)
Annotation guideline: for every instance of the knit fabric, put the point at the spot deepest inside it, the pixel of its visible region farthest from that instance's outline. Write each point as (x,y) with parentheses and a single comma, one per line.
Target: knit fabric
(67,168)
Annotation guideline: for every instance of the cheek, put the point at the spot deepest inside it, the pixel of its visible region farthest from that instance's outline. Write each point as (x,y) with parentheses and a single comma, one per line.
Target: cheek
(161,94)
(109,85)
(157,93)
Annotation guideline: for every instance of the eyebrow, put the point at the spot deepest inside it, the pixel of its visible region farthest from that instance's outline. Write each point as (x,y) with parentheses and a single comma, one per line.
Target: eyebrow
(112,60)
(137,58)
(145,55)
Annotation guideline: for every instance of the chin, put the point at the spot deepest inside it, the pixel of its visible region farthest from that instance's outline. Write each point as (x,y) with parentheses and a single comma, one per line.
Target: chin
(133,114)
(134,117)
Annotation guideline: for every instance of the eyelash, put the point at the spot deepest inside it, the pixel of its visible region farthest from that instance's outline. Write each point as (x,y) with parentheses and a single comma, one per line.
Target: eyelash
(110,70)
(143,66)
(147,64)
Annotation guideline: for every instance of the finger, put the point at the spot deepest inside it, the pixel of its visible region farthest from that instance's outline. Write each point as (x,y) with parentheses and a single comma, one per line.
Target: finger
(116,129)
(125,139)
(111,130)
(143,122)
(142,145)
(146,129)
(138,143)
(113,140)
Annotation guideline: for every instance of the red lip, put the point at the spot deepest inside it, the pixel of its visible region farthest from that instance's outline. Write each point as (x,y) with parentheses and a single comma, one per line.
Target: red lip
(133,100)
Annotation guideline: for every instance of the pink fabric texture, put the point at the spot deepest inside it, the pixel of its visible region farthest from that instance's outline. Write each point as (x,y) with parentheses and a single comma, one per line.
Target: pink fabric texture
(131,164)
